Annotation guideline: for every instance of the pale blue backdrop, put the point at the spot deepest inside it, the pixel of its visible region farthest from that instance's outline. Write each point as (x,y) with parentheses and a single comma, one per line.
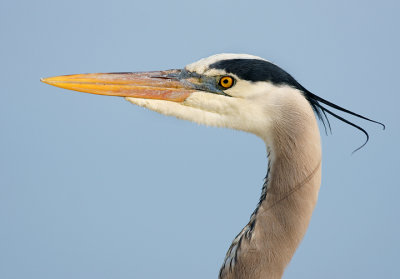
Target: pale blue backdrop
(94,187)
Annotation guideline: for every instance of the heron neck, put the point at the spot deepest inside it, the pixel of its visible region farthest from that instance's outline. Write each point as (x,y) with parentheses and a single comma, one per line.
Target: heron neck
(266,245)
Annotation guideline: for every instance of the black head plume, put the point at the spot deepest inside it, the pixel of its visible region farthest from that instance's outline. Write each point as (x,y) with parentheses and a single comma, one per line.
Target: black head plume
(320,110)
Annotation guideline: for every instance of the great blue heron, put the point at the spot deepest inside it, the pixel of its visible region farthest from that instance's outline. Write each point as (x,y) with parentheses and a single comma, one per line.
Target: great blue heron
(247,93)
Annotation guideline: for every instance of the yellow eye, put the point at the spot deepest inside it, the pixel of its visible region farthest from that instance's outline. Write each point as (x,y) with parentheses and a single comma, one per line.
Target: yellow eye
(226,82)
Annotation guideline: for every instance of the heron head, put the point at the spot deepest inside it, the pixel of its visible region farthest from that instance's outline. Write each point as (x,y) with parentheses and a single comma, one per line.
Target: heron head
(239,91)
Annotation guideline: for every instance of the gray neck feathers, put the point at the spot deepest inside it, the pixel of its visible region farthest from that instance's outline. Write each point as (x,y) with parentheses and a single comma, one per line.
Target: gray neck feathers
(267,243)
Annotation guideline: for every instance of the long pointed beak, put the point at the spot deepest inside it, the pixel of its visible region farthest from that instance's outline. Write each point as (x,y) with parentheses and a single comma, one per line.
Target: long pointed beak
(161,85)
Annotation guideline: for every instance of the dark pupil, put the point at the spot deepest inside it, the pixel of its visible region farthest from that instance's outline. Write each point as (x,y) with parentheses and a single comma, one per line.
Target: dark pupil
(225,81)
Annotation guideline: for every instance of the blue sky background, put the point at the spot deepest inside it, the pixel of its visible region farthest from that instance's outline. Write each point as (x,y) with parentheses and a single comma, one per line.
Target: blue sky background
(94,187)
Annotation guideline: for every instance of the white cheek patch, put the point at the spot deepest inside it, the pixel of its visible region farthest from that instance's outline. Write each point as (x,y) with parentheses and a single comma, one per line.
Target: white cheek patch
(250,90)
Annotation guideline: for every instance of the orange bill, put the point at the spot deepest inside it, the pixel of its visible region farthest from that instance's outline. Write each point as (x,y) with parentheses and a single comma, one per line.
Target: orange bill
(161,85)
